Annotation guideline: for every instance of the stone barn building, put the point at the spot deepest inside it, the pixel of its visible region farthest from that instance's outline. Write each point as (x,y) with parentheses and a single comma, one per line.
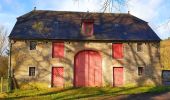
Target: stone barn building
(83,49)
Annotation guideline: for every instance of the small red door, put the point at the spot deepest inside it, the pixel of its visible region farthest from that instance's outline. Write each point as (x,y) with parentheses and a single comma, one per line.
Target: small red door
(57,76)
(117,76)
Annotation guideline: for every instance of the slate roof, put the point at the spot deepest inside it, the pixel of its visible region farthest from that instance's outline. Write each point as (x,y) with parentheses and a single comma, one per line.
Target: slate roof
(62,25)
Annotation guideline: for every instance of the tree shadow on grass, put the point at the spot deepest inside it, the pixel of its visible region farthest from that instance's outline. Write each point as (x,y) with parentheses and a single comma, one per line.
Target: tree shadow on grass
(144,96)
(155,93)
(41,94)
(98,93)
(113,94)
(78,93)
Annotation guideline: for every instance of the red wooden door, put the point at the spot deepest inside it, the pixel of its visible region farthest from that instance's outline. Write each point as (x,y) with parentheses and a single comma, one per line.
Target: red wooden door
(95,69)
(58,76)
(117,76)
(88,70)
(81,68)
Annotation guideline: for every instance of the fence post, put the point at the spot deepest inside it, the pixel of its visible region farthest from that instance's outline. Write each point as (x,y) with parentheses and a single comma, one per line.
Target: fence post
(1,84)
(9,84)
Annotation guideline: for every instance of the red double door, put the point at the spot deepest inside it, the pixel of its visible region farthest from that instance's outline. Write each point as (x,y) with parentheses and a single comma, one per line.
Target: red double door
(88,69)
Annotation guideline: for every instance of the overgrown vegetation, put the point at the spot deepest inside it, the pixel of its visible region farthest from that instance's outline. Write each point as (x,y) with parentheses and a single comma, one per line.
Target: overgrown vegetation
(165,50)
(3,66)
(79,93)
(3,49)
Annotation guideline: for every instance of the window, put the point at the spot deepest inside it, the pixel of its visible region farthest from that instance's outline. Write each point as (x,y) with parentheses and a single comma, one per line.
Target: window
(139,47)
(117,51)
(33,45)
(31,71)
(140,71)
(58,50)
(87,27)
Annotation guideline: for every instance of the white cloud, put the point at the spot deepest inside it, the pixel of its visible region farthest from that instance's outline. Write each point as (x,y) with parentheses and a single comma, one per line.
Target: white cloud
(8,1)
(70,5)
(7,20)
(84,5)
(145,9)
(163,30)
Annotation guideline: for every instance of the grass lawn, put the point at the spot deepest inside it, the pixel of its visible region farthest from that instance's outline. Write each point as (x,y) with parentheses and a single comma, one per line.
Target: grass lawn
(78,93)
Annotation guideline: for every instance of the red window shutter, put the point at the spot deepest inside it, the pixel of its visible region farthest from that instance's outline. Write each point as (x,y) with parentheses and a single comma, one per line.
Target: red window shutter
(87,28)
(58,50)
(117,51)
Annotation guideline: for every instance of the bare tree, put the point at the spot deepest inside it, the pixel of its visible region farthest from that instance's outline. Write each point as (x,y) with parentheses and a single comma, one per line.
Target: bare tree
(115,5)
(3,40)
(112,5)
(3,48)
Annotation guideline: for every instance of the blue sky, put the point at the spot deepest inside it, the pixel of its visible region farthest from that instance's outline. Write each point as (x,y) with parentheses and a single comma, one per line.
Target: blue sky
(155,12)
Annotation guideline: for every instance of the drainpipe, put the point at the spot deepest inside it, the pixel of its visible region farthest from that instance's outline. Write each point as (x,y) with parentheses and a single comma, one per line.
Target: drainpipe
(9,67)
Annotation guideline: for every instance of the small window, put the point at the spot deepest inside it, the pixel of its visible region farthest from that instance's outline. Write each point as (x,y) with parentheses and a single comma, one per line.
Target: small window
(87,27)
(33,45)
(139,47)
(31,71)
(140,71)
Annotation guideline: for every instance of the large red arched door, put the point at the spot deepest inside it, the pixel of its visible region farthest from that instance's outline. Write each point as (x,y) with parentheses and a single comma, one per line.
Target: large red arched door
(88,69)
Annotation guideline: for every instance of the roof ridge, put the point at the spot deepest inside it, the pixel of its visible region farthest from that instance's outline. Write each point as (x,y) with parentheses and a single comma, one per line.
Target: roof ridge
(35,11)
(79,12)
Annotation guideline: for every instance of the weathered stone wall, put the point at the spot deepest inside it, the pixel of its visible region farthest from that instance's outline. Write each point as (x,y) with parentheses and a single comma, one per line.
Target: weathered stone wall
(149,58)
(41,58)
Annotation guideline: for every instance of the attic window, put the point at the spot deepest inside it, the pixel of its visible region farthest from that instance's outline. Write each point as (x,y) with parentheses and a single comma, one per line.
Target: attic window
(88,27)
(33,45)
(139,47)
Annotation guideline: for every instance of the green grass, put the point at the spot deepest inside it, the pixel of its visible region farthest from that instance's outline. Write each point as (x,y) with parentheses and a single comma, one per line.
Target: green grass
(79,93)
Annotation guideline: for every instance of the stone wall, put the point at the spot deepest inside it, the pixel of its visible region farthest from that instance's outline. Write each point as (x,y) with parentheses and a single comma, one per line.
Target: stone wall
(41,58)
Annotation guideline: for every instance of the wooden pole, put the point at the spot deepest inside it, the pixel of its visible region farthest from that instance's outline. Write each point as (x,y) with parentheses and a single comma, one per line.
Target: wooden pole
(9,67)
(7,86)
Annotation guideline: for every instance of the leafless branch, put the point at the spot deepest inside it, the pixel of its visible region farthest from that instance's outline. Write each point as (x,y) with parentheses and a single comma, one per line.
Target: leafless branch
(117,5)
(3,40)
(110,5)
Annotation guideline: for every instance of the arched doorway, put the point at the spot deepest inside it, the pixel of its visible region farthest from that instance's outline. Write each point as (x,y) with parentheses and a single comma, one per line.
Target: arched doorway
(87,69)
